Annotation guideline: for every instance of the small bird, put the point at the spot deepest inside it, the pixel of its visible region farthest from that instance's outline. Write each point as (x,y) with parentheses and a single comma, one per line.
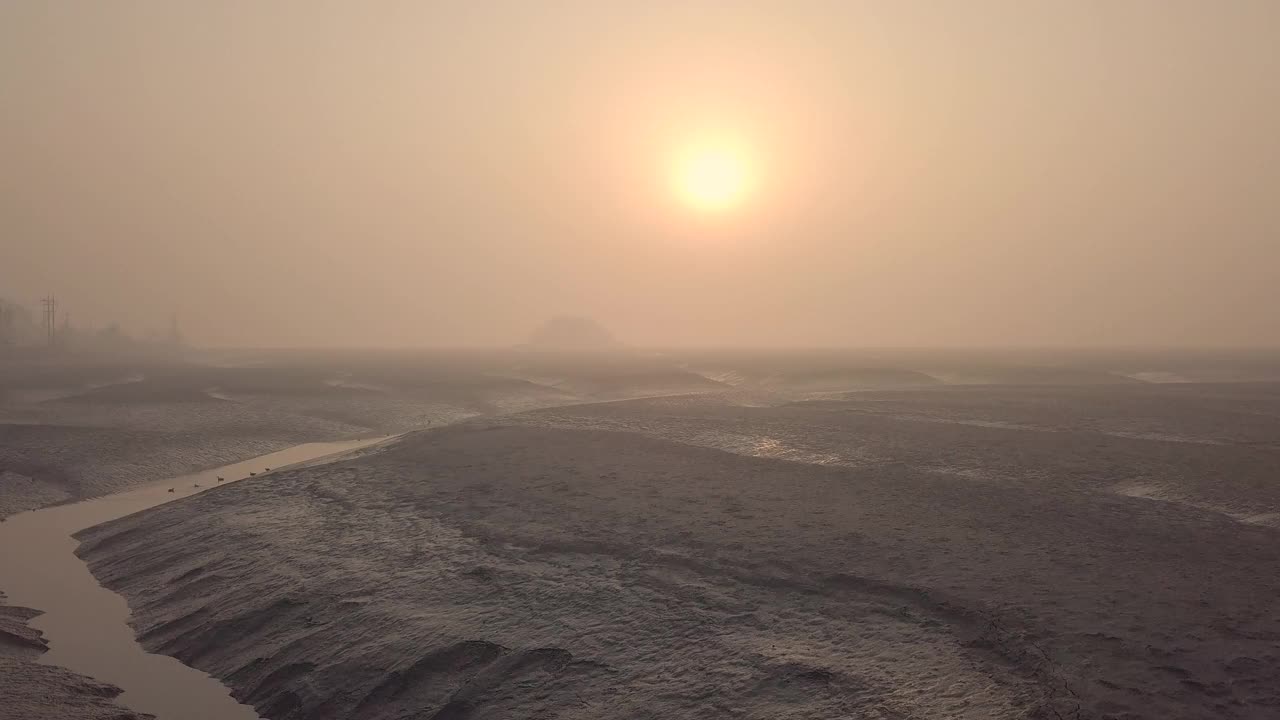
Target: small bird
(170,489)
(196,485)
(220,479)
(266,469)
(253,474)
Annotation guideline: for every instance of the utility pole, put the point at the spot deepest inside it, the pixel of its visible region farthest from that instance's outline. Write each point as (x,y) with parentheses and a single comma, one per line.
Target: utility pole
(6,323)
(175,334)
(50,318)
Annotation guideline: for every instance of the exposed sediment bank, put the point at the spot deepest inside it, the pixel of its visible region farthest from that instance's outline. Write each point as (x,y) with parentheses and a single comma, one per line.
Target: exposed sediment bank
(75,626)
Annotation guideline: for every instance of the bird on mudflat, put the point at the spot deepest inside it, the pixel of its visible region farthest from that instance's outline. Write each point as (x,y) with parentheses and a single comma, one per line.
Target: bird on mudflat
(220,479)
(196,485)
(253,474)
(170,489)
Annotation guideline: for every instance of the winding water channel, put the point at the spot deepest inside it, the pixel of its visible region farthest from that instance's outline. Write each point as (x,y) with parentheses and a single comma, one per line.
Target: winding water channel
(87,626)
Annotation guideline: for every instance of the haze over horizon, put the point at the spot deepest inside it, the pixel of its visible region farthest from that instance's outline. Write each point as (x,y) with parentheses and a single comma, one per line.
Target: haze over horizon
(813,173)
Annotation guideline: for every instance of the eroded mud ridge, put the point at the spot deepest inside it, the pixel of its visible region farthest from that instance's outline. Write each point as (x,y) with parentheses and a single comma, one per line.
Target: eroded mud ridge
(503,570)
(33,691)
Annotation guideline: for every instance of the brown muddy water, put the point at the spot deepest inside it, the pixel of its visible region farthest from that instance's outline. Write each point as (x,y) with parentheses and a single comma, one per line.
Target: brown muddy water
(87,626)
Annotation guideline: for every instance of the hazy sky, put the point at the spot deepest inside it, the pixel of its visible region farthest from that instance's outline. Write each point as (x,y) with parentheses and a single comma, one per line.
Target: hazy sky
(405,173)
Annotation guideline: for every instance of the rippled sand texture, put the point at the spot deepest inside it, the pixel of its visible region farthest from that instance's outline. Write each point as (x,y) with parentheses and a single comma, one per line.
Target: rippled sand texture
(910,555)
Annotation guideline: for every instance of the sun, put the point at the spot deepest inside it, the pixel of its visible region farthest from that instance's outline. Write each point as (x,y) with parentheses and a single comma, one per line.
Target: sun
(713,176)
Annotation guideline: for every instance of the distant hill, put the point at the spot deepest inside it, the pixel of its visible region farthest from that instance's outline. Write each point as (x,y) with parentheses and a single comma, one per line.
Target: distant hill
(569,332)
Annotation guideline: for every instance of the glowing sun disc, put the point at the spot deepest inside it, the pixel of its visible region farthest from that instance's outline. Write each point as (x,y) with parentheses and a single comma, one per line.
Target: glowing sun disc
(713,177)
